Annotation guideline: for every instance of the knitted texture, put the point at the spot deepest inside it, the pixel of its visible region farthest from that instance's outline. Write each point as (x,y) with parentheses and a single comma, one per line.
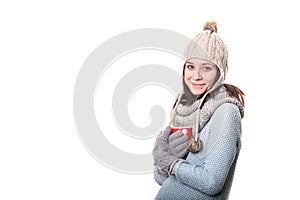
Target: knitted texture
(161,153)
(186,114)
(209,46)
(178,144)
(207,174)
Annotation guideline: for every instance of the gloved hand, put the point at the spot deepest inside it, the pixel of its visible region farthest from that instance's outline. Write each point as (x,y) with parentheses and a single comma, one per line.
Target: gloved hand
(161,153)
(178,143)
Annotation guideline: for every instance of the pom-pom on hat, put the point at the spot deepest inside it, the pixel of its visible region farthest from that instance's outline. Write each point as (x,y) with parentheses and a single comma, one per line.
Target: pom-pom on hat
(209,46)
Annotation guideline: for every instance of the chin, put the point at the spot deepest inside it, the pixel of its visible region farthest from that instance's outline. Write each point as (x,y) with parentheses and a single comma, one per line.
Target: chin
(198,93)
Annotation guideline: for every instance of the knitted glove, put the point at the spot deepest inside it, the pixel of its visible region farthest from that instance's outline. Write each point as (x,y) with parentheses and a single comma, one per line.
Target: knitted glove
(178,143)
(161,152)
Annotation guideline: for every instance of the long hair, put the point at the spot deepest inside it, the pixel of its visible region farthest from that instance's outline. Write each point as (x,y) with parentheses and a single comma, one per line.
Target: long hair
(235,92)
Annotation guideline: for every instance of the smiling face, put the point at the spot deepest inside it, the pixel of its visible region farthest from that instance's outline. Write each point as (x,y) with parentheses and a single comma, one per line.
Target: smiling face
(199,75)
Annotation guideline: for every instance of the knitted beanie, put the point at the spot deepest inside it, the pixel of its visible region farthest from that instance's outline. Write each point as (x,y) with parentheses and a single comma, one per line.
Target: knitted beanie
(209,46)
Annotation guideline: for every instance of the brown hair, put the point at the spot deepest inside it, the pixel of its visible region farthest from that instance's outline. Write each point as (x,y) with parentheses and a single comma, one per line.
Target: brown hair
(235,92)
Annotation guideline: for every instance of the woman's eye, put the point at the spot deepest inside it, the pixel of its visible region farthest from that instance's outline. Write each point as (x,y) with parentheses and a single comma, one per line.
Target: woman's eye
(190,66)
(206,68)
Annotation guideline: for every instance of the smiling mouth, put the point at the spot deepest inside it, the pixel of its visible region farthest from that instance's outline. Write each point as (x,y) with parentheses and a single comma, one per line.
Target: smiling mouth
(198,85)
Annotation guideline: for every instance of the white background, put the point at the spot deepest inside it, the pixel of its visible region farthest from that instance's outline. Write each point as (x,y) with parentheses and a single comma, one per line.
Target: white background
(42,48)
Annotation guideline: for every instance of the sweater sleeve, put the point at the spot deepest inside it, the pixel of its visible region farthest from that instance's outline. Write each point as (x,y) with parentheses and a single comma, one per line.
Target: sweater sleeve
(209,176)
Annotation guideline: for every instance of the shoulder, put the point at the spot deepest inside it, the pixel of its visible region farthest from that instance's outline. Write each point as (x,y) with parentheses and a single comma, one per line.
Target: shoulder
(228,112)
(226,122)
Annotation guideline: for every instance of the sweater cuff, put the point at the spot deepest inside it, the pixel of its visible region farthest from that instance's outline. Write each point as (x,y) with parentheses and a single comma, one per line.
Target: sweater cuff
(174,166)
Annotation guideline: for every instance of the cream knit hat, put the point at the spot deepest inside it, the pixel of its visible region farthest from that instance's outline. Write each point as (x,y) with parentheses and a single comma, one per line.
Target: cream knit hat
(209,46)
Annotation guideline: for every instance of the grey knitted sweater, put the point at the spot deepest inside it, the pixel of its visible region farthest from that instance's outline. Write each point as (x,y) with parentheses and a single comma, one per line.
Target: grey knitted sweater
(207,174)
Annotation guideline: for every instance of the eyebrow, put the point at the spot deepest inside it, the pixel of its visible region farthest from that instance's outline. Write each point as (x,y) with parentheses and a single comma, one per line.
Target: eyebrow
(188,62)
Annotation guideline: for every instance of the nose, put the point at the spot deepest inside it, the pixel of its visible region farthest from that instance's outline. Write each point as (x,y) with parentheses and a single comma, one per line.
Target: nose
(197,75)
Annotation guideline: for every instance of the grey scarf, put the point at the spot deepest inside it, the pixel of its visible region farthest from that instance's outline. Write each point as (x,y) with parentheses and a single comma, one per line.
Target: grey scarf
(199,113)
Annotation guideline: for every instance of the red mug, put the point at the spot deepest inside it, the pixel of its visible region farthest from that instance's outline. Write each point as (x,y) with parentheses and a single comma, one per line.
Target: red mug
(185,130)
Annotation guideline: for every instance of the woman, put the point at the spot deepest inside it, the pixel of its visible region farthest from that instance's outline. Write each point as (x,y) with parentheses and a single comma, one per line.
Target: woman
(201,167)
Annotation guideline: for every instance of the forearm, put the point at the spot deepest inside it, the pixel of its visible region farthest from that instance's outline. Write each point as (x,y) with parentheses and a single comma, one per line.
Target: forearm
(208,178)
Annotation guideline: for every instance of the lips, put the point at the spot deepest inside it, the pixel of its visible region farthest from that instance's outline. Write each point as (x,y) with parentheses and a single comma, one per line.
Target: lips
(198,85)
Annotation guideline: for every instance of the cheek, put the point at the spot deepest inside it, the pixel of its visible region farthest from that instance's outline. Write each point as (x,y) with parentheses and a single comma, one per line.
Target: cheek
(210,77)
(187,74)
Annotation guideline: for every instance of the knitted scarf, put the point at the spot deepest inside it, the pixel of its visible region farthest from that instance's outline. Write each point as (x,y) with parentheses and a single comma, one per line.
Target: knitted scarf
(186,115)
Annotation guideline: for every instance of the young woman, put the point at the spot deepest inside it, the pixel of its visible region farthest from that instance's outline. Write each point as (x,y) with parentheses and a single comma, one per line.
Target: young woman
(201,167)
